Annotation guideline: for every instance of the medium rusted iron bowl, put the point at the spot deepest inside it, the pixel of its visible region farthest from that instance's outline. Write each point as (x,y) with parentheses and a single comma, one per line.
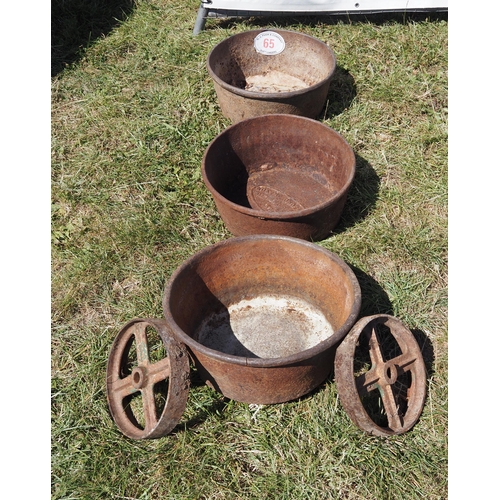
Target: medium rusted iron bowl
(279,174)
(249,83)
(262,315)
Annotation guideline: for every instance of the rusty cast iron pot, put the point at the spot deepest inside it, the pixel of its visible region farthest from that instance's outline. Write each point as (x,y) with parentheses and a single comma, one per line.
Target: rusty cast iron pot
(234,62)
(262,315)
(279,174)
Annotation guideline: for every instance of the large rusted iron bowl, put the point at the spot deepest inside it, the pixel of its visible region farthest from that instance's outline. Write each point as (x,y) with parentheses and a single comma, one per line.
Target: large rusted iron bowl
(279,174)
(262,315)
(249,83)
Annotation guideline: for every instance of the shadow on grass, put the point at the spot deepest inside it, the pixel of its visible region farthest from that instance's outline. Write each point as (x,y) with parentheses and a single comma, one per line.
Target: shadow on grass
(284,21)
(341,93)
(361,198)
(75,24)
(426,349)
(375,301)
(218,405)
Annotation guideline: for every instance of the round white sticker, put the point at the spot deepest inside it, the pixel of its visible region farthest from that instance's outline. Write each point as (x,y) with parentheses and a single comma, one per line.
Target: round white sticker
(269,43)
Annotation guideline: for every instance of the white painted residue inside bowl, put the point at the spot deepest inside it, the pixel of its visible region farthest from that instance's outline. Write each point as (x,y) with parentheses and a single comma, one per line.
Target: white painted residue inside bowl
(274,81)
(265,327)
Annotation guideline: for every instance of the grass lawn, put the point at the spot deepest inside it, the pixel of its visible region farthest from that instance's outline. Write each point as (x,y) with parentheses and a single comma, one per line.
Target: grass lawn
(133,110)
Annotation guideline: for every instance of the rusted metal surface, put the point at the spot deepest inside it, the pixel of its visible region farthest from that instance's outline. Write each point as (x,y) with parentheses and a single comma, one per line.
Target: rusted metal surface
(279,174)
(388,397)
(292,302)
(130,373)
(251,84)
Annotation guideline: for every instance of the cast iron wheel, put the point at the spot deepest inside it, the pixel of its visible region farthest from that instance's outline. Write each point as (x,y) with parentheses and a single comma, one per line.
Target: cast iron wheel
(132,375)
(396,379)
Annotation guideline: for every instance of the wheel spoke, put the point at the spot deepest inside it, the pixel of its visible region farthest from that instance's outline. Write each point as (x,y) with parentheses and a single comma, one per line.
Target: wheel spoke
(404,362)
(367,382)
(375,351)
(149,406)
(158,371)
(394,419)
(141,343)
(122,387)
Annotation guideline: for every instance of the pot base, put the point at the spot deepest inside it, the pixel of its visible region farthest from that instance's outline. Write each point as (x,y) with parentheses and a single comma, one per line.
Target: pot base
(265,327)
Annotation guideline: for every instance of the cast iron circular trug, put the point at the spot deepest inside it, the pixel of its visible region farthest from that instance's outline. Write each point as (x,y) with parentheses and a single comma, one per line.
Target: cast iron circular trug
(235,59)
(122,383)
(402,405)
(279,174)
(244,270)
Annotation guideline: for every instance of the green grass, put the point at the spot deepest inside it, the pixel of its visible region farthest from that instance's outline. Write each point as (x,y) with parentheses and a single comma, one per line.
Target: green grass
(132,114)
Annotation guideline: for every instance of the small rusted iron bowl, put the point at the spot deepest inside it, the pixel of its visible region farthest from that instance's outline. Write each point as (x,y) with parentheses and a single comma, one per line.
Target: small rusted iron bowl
(262,315)
(249,83)
(279,174)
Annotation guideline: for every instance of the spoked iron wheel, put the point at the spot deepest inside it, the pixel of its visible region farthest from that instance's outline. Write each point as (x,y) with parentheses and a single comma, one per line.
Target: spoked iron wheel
(147,379)
(382,391)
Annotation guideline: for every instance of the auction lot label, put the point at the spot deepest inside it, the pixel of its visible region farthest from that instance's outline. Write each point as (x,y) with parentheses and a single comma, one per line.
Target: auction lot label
(269,43)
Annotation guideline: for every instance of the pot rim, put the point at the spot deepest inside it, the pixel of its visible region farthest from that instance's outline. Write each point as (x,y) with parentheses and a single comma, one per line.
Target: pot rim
(281,215)
(263,362)
(268,96)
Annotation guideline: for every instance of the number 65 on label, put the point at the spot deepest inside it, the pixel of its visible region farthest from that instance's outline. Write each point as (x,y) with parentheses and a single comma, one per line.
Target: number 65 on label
(269,43)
